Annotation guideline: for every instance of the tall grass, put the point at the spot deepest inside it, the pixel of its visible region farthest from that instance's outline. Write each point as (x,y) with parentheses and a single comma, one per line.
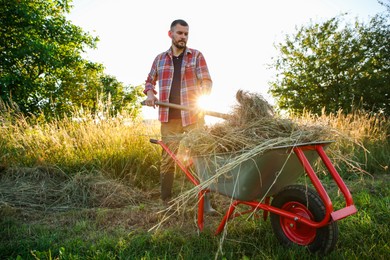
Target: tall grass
(119,146)
(360,136)
(115,146)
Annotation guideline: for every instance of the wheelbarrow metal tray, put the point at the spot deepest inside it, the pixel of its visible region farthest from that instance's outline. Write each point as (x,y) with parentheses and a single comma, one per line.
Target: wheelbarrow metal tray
(262,174)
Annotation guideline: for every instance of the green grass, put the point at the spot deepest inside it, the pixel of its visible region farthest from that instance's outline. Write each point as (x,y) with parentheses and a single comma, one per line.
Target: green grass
(88,234)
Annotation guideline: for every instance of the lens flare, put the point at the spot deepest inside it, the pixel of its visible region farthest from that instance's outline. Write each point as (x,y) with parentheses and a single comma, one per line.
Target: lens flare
(213,103)
(204,102)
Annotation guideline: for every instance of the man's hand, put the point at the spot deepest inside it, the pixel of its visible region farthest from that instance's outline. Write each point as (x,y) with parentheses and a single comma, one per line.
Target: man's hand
(151,99)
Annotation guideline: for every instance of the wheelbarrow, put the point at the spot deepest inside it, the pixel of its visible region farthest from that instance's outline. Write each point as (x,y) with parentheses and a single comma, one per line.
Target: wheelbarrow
(266,181)
(299,214)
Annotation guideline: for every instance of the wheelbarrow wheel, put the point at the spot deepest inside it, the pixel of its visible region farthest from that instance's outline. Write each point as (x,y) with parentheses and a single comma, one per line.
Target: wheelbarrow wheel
(305,202)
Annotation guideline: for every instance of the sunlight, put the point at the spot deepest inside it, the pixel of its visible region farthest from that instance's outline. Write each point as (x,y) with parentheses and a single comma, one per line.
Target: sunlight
(216,102)
(204,102)
(211,103)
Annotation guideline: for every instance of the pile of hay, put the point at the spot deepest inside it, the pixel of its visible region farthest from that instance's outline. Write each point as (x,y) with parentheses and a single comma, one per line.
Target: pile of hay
(252,123)
(45,188)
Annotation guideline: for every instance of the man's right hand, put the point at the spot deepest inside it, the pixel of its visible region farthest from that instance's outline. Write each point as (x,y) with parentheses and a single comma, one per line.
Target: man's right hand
(151,99)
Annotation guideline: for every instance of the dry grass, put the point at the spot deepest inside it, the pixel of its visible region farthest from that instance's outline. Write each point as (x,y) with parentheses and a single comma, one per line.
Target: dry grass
(117,146)
(49,189)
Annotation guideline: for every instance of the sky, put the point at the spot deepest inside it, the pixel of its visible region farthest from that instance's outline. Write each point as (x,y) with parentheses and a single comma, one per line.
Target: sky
(236,37)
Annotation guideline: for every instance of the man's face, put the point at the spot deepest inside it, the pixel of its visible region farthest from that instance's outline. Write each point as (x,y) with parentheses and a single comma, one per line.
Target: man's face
(179,36)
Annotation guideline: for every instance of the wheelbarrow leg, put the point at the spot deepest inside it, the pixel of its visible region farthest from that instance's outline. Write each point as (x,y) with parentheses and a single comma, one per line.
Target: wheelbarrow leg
(227,216)
(201,210)
(204,206)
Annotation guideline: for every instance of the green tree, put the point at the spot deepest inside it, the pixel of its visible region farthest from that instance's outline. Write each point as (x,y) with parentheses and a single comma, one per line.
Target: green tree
(41,63)
(120,96)
(335,66)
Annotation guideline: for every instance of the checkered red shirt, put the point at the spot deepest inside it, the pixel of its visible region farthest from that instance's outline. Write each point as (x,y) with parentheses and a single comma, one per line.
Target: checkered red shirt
(195,78)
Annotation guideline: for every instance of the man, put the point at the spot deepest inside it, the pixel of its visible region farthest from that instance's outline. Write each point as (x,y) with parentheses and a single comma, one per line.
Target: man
(182,75)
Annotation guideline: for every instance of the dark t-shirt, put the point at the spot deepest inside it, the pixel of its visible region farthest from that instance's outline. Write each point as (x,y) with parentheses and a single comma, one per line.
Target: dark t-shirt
(174,96)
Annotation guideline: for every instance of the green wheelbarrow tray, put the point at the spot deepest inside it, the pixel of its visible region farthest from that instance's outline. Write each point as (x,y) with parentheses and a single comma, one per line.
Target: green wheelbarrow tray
(261,175)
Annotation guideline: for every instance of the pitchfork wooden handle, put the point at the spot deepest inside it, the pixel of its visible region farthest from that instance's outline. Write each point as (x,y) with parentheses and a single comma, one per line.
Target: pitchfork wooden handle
(206,112)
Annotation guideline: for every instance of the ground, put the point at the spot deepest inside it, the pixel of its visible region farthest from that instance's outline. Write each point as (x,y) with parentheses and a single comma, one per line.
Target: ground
(48,197)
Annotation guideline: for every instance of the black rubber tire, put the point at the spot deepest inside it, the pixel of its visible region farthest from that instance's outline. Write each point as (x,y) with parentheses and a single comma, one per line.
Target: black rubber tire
(325,238)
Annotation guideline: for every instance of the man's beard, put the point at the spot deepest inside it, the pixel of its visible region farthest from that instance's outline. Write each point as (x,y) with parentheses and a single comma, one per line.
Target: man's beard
(177,45)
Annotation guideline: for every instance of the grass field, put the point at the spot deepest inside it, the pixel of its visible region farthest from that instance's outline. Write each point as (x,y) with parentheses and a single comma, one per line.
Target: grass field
(88,190)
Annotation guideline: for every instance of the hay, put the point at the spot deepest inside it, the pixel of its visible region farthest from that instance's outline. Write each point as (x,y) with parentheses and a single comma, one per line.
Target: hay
(252,123)
(250,106)
(45,188)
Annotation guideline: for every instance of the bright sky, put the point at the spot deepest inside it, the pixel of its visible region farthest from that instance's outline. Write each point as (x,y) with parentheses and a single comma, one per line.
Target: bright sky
(236,37)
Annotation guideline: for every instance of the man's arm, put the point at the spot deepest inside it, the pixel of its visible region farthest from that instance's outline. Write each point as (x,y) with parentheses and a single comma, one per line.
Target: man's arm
(204,75)
(150,85)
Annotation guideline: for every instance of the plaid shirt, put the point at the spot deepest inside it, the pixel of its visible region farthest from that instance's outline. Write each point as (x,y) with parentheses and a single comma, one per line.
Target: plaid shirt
(195,81)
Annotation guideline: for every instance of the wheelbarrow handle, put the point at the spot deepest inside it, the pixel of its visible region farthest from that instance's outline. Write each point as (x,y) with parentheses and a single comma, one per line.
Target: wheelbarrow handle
(176,106)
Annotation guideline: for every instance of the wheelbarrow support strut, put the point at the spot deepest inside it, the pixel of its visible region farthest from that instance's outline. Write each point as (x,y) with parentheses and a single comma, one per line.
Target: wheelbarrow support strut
(341,213)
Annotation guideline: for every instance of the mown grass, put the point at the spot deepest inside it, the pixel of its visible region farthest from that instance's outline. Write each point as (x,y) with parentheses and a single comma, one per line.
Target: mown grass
(119,149)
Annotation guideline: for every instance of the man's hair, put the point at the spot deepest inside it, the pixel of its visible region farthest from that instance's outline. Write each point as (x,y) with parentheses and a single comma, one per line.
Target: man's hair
(178,21)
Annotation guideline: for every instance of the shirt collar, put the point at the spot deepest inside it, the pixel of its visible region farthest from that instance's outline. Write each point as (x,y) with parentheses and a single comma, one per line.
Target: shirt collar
(170,53)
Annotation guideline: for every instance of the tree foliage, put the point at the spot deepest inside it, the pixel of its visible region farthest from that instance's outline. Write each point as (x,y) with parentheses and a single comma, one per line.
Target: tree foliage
(41,63)
(335,65)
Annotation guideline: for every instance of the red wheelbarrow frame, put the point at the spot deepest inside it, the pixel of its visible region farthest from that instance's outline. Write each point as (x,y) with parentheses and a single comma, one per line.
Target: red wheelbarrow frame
(330,214)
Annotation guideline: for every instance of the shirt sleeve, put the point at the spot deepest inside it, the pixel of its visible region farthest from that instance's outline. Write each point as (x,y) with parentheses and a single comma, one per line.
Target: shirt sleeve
(204,75)
(150,82)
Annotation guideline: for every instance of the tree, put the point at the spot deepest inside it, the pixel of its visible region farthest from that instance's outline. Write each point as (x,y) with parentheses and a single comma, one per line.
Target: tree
(334,66)
(41,64)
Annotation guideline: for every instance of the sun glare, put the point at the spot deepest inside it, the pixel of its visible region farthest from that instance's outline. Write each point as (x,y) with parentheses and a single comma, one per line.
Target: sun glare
(211,103)
(204,102)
